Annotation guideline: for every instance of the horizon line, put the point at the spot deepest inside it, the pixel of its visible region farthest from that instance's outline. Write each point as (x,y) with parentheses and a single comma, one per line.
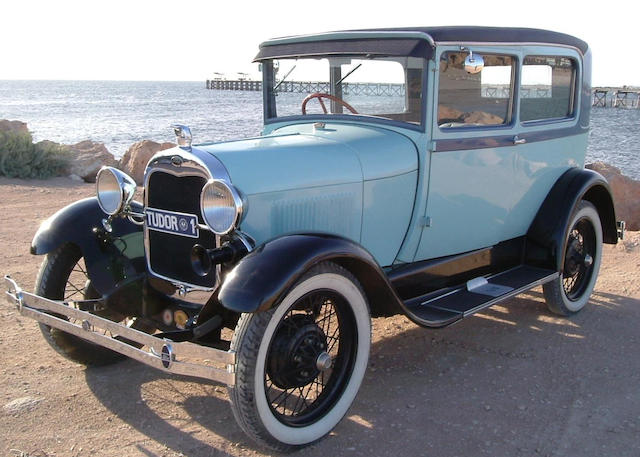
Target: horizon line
(593,86)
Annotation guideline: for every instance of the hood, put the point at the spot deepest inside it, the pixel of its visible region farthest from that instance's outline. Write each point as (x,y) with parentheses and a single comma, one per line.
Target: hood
(301,156)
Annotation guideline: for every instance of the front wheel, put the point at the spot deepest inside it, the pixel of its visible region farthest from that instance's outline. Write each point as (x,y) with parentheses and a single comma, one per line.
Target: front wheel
(300,365)
(63,276)
(582,255)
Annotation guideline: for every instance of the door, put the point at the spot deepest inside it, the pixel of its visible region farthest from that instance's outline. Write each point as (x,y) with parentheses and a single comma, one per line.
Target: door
(471,179)
(494,158)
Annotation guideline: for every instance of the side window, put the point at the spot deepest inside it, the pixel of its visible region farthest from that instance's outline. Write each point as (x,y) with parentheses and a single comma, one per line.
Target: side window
(467,100)
(548,88)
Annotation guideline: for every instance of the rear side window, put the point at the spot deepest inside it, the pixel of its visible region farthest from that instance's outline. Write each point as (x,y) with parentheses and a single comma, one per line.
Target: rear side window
(548,88)
(481,99)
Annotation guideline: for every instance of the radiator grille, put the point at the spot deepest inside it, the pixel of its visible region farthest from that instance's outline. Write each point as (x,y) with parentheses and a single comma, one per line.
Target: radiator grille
(168,255)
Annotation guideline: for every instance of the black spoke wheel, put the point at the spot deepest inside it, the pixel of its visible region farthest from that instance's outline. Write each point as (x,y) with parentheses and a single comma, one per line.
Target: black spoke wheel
(310,358)
(582,254)
(63,276)
(578,264)
(299,365)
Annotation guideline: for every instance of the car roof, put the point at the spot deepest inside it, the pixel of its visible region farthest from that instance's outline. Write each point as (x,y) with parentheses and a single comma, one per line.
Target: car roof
(408,41)
(494,35)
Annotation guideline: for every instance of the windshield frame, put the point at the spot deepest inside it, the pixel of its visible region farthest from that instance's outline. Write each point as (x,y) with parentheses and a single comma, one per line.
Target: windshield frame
(269,98)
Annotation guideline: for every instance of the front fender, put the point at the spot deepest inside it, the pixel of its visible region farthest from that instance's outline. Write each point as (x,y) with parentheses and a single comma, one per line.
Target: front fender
(111,259)
(262,278)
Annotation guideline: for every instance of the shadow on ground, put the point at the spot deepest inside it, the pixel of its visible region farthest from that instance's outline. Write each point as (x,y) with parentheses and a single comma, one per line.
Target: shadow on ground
(506,382)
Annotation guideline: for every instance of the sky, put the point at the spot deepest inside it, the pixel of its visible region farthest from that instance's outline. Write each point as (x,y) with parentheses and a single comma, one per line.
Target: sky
(189,40)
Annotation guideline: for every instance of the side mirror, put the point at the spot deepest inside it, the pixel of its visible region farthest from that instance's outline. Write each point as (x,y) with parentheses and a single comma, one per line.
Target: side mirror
(473,64)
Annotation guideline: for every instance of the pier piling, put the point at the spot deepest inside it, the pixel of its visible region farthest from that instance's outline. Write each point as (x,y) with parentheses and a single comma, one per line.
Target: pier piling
(600,97)
(375,89)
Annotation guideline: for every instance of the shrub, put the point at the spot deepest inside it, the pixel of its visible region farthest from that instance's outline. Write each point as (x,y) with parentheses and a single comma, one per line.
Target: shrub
(21,158)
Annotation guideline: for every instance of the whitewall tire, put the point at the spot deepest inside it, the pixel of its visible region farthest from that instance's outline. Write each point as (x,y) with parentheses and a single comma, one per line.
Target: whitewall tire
(570,292)
(300,365)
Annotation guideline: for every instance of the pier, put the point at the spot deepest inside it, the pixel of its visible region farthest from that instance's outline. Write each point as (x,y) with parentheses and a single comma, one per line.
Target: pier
(605,97)
(611,97)
(309,87)
(235,84)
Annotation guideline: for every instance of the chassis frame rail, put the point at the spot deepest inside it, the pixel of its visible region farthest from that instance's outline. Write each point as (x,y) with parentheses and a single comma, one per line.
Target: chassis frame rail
(163,354)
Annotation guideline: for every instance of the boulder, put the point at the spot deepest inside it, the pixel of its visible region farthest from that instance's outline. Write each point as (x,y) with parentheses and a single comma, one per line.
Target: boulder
(626,193)
(482,118)
(447,114)
(87,158)
(135,160)
(13,126)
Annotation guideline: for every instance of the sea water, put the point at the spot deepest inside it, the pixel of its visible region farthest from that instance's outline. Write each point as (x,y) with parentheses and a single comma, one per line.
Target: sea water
(119,113)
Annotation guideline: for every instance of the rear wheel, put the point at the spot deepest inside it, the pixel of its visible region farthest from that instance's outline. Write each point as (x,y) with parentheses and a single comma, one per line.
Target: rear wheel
(582,255)
(63,276)
(300,364)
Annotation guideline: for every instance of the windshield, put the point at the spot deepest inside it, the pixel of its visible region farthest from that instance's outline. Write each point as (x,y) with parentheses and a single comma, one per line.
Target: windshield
(389,88)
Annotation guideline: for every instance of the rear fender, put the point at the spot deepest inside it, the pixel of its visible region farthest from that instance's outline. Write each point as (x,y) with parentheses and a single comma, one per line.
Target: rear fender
(112,259)
(546,235)
(261,279)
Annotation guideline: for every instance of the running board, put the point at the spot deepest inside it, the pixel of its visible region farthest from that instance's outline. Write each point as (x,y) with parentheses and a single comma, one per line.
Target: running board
(447,306)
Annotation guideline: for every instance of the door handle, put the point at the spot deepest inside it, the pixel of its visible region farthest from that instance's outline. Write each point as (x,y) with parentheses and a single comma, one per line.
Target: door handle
(517,140)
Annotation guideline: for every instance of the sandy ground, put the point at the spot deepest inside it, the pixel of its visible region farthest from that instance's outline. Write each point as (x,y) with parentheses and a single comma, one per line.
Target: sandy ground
(513,381)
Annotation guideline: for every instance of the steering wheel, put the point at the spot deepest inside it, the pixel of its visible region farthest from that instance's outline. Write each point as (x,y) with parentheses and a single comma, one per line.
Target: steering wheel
(320,96)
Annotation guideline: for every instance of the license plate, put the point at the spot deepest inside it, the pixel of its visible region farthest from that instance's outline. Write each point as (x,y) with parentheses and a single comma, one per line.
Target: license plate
(171,222)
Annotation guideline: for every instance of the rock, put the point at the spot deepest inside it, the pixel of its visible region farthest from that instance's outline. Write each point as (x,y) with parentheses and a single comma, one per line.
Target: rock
(13,126)
(88,158)
(482,118)
(135,160)
(46,144)
(20,405)
(626,193)
(631,242)
(447,114)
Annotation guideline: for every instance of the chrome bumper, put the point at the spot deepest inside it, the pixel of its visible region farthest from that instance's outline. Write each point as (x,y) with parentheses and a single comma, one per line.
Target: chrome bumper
(622,226)
(182,358)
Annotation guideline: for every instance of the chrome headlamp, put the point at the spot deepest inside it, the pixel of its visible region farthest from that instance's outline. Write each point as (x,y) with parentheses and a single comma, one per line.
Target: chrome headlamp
(221,206)
(115,190)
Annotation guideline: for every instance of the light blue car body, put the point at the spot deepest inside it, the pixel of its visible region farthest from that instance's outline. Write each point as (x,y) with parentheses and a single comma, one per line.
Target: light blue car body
(389,187)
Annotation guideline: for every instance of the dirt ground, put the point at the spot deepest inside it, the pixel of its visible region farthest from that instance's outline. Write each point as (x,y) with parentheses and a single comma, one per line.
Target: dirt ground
(512,381)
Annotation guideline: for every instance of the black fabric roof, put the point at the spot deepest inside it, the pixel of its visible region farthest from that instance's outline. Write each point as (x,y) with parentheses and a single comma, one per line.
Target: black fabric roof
(416,47)
(494,35)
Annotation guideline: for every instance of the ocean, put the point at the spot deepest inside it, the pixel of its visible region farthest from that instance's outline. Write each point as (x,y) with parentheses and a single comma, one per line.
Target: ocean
(119,113)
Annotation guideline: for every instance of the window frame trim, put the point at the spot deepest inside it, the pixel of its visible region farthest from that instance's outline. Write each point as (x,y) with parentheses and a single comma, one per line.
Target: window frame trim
(573,98)
(513,107)
(367,118)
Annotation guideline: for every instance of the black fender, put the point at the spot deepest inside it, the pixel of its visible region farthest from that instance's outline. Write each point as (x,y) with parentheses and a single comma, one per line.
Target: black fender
(112,259)
(546,235)
(262,278)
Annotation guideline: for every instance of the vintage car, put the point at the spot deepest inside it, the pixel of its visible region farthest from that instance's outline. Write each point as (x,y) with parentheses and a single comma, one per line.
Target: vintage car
(431,172)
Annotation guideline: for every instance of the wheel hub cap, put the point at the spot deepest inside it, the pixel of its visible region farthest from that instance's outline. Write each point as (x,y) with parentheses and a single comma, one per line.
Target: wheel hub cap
(298,353)
(324,361)
(588,260)
(575,258)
